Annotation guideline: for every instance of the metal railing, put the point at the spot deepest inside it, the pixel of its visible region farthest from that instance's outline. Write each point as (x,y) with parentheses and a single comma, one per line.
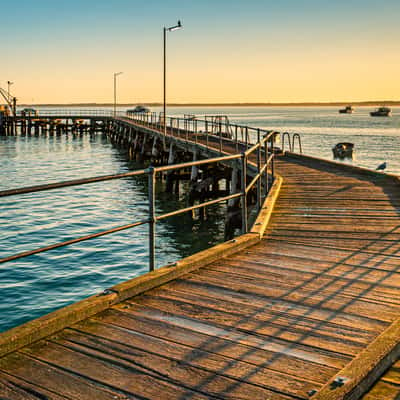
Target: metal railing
(191,128)
(291,141)
(70,112)
(261,153)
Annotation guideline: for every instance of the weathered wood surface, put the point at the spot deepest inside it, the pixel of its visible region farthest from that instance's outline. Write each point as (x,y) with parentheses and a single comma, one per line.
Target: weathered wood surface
(275,321)
(388,387)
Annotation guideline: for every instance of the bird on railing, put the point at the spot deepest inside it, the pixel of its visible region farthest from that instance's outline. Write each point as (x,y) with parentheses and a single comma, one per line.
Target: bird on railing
(382,166)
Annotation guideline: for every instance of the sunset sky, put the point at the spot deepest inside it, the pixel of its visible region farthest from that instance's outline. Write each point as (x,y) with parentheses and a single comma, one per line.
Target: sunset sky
(229,51)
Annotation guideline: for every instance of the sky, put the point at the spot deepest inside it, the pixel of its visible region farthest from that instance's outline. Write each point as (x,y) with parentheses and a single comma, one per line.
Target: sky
(228,50)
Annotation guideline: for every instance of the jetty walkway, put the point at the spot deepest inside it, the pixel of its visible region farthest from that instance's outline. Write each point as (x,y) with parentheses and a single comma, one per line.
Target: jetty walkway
(307,306)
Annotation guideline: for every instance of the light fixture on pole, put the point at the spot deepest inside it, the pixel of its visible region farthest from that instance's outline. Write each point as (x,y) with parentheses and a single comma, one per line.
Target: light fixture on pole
(170,29)
(115,92)
(9,83)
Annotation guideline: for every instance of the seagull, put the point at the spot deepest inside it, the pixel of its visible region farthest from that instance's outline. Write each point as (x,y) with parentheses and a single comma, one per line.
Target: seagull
(382,166)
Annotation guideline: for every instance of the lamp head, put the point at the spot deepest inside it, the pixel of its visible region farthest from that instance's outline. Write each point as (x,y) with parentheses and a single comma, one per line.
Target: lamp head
(176,27)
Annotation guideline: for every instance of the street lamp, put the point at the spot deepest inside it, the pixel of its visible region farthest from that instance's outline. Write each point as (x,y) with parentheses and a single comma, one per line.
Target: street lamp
(115,92)
(170,29)
(9,83)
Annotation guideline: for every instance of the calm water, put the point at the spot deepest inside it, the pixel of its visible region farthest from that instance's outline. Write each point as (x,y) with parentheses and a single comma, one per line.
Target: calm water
(38,284)
(376,139)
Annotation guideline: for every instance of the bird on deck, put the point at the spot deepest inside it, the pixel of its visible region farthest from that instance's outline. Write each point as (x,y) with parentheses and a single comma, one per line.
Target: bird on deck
(382,166)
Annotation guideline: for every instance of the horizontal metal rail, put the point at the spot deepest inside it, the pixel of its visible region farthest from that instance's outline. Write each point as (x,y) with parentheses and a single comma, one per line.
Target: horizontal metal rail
(72,241)
(187,130)
(196,163)
(195,207)
(73,182)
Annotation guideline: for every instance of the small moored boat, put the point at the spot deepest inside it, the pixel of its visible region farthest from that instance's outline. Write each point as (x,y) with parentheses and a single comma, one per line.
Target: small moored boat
(381,112)
(138,110)
(343,150)
(29,112)
(347,110)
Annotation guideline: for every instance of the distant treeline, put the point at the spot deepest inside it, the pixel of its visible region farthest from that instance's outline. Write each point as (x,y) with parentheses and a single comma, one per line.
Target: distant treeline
(305,104)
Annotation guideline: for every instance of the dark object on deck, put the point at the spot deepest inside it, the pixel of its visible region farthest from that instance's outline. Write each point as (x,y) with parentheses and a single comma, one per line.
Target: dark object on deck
(138,109)
(381,112)
(343,150)
(382,166)
(347,110)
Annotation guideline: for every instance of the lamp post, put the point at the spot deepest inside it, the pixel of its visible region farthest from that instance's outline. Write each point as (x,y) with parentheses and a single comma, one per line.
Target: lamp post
(115,92)
(170,29)
(9,83)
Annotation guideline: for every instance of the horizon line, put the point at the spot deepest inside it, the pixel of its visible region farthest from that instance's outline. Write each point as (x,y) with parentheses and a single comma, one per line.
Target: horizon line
(230,104)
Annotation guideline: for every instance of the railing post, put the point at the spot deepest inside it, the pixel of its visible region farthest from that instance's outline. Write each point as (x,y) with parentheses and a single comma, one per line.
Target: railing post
(152,219)
(244,195)
(258,170)
(266,181)
(236,138)
(273,158)
(220,136)
(206,133)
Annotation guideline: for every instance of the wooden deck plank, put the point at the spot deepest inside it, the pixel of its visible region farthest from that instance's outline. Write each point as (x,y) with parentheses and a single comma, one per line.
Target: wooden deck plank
(12,388)
(198,369)
(109,372)
(317,297)
(390,250)
(296,360)
(338,234)
(42,375)
(383,391)
(327,254)
(297,266)
(299,350)
(279,321)
(239,299)
(387,387)
(249,325)
(381,293)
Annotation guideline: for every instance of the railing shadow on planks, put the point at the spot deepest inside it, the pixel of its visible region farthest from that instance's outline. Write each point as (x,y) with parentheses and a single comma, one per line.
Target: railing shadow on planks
(189,130)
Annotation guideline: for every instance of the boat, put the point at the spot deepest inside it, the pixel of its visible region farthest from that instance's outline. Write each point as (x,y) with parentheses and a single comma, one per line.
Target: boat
(138,110)
(381,112)
(29,112)
(347,110)
(343,150)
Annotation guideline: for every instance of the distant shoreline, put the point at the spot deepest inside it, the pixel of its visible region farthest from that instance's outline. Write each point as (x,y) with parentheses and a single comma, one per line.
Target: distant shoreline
(304,104)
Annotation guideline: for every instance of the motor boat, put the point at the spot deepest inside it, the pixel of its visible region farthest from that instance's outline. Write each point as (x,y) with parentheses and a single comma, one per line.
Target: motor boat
(29,112)
(381,112)
(347,110)
(343,150)
(138,110)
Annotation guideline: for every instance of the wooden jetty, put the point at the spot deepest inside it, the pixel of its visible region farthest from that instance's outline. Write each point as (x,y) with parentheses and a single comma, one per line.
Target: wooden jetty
(304,305)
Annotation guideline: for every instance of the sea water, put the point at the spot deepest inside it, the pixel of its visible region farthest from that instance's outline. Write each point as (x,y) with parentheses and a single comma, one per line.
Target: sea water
(376,139)
(35,285)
